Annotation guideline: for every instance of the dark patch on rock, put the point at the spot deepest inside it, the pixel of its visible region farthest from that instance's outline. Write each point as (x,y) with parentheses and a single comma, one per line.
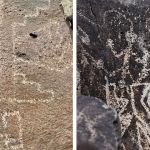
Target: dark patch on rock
(22,55)
(70,22)
(85,146)
(33,35)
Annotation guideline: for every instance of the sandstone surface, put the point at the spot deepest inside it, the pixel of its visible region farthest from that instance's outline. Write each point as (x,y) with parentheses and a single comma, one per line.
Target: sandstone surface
(36,76)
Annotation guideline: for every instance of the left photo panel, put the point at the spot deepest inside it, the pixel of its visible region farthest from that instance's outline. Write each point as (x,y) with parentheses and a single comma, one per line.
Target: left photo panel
(36,74)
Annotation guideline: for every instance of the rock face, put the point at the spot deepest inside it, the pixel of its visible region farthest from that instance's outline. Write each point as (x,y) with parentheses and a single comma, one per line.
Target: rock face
(114,62)
(95,125)
(67,7)
(68,13)
(36,76)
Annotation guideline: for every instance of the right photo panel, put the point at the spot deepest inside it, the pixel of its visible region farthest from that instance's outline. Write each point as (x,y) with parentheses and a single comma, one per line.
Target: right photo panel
(113,74)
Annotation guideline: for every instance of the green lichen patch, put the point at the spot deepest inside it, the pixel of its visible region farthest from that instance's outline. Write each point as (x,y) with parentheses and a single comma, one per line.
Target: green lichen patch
(67,7)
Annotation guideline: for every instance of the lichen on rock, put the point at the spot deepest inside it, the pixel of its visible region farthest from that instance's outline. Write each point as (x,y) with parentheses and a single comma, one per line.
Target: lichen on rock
(67,7)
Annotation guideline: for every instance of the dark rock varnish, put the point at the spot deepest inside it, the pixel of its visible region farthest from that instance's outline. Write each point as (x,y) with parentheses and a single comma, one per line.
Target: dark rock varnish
(114,62)
(96,128)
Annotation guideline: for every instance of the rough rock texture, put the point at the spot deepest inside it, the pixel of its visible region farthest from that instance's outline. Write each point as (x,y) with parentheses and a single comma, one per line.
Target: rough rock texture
(67,7)
(96,125)
(114,62)
(36,76)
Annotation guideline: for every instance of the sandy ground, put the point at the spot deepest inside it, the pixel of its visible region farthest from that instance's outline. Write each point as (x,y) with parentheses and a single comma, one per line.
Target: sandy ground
(36,76)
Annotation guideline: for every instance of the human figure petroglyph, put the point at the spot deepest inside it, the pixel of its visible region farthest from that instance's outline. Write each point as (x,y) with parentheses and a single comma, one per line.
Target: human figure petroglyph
(126,118)
(121,43)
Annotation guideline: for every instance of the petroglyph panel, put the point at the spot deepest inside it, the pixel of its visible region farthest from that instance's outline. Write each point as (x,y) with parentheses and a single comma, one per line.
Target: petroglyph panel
(12,130)
(113,62)
(44,133)
(36,76)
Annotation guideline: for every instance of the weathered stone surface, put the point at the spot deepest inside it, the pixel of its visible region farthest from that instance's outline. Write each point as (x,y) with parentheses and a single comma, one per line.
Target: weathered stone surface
(96,128)
(114,62)
(36,76)
(67,7)
(68,12)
